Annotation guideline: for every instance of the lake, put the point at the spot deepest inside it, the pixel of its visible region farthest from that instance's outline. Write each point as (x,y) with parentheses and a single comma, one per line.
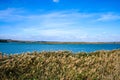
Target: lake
(13,48)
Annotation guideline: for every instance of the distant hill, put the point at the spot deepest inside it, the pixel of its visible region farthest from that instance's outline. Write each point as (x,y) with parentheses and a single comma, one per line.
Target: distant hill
(5,40)
(55,42)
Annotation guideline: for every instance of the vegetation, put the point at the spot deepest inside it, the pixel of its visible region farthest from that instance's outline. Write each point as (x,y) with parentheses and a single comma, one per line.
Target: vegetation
(61,65)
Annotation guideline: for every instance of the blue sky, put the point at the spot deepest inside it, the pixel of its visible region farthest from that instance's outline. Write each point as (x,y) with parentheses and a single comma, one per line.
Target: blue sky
(60,20)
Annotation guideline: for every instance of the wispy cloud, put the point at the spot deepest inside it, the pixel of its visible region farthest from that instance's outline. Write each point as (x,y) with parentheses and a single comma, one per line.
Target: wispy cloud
(108,17)
(70,25)
(11,14)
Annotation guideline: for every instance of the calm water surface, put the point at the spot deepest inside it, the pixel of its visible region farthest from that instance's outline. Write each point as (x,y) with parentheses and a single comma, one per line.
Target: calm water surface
(12,48)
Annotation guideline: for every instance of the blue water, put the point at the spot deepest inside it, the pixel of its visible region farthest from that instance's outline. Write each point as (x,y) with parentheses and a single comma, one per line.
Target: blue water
(13,48)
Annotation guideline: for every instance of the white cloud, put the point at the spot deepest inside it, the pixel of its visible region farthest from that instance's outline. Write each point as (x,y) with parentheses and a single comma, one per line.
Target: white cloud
(70,25)
(108,17)
(56,1)
(11,14)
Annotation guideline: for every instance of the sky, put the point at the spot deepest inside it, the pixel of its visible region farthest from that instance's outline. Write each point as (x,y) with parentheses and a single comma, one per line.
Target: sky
(60,20)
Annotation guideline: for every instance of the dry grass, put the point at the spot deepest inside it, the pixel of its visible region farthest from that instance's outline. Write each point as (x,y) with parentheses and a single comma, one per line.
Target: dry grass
(61,65)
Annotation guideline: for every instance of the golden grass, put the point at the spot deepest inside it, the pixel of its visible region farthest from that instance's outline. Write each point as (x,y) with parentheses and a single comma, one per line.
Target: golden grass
(62,65)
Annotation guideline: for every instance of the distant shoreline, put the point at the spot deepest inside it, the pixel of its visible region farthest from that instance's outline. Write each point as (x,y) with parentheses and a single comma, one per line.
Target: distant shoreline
(54,42)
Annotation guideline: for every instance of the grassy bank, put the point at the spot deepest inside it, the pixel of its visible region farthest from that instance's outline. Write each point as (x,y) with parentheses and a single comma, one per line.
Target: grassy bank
(62,65)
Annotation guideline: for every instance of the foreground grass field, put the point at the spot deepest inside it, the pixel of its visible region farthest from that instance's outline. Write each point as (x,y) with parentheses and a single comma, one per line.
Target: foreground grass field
(61,65)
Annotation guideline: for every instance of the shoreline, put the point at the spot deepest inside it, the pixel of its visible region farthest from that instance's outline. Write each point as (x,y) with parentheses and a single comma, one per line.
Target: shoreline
(54,42)
(2,55)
